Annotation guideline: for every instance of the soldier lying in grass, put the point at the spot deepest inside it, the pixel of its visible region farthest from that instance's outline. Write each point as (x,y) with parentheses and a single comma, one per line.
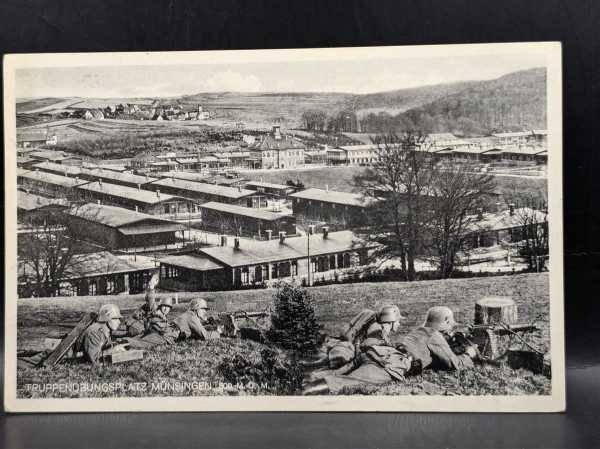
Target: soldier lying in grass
(428,344)
(377,361)
(190,324)
(137,323)
(91,342)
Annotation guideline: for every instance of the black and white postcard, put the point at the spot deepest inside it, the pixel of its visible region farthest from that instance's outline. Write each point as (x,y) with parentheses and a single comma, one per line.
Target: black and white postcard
(340,229)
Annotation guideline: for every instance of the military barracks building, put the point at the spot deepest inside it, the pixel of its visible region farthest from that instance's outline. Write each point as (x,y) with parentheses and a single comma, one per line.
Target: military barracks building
(146,201)
(203,193)
(232,219)
(99,273)
(47,184)
(341,210)
(116,228)
(270,189)
(276,151)
(248,262)
(30,207)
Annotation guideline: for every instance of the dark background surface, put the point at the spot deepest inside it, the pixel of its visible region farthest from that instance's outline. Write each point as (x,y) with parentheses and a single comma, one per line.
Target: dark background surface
(83,26)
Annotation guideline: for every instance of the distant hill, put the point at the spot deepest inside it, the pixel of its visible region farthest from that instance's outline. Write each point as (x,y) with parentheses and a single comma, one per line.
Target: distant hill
(515,101)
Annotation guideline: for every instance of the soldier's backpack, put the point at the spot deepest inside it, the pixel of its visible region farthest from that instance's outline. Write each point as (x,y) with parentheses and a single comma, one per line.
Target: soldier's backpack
(358,325)
(343,350)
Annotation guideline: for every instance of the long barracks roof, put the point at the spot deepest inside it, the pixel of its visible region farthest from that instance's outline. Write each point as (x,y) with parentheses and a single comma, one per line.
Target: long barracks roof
(31,136)
(192,262)
(70,170)
(244,211)
(112,175)
(269,185)
(331,196)
(252,252)
(504,220)
(129,193)
(51,178)
(52,155)
(118,217)
(29,201)
(204,188)
(93,264)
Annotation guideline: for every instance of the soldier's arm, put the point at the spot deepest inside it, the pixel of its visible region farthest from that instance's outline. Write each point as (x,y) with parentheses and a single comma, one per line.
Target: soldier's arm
(439,347)
(199,330)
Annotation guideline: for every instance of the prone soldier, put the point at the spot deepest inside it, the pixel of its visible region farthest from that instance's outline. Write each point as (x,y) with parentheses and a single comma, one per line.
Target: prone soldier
(429,346)
(92,340)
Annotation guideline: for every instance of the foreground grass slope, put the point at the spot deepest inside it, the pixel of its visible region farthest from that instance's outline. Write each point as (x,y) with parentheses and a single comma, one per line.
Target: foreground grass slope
(335,305)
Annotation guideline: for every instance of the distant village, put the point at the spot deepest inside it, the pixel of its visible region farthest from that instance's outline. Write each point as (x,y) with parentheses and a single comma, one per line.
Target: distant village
(130,110)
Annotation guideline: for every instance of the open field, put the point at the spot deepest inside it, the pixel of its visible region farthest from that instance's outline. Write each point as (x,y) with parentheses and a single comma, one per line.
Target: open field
(334,305)
(340,178)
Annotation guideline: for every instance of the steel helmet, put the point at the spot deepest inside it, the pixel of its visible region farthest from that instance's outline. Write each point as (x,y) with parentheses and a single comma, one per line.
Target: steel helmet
(440,318)
(198,303)
(108,312)
(166,302)
(389,314)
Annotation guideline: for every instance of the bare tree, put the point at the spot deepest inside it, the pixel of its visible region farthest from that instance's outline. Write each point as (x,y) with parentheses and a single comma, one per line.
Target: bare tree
(395,189)
(46,255)
(455,196)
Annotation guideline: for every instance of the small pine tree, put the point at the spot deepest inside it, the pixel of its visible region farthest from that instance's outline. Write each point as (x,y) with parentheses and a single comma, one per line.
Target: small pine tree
(293,323)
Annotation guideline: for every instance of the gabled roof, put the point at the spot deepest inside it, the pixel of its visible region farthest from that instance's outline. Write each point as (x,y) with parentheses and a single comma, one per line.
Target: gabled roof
(113,175)
(252,252)
(441,136)
(29,201)
(270,143)
(504,220)
(204,188)
(192,262)
(51,178)
(48,166)
(243,211)
(514,134)
(128,193)
(52,155)
(116,217)
(92,264)
(269,185)
(31,136)
(331,196)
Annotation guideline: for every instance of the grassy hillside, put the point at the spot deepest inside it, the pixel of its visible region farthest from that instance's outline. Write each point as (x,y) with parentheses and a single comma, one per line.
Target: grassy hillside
(334,306)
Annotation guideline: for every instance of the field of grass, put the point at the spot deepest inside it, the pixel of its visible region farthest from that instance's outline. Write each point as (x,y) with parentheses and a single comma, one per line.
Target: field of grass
(341,178)
(334,306)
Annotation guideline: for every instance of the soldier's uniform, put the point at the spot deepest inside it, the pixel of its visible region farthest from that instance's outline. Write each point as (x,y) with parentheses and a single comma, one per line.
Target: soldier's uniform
(431,348)
(190,326)
(377,363)
(137,324)
(428,344)
(159,330)
(92,341)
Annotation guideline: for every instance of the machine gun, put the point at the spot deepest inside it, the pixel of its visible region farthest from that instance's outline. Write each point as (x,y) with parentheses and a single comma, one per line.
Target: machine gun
(229,322)
(494,341)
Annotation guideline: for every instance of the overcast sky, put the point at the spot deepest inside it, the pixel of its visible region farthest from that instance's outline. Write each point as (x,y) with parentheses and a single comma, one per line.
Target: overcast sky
(360,76)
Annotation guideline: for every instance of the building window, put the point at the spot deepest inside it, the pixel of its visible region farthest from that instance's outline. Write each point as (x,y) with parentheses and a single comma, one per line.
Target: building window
(332,262)
(258,274)
(245,276)
(340,261)
(313,265)
(274,271)
(294,268)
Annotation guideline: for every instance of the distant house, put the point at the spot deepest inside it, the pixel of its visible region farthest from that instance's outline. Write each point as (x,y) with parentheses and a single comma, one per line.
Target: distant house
(276,151)
(99,273)
(116,228)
